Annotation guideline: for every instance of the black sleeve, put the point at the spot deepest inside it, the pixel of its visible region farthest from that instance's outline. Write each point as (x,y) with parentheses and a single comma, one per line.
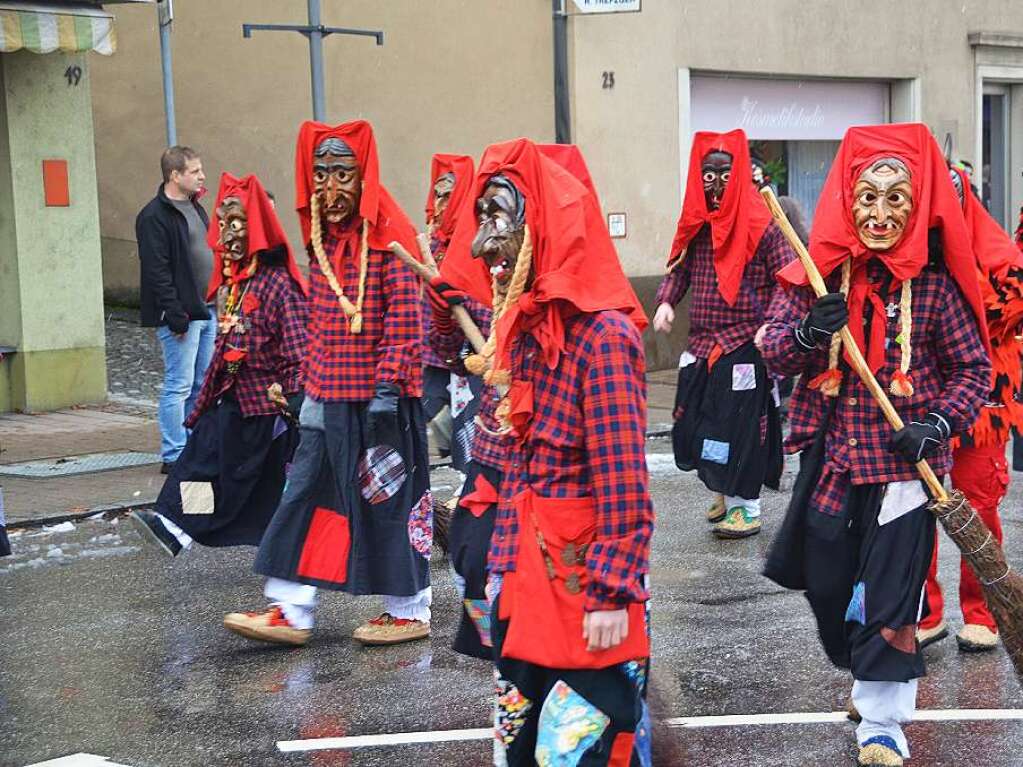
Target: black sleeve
(152,237)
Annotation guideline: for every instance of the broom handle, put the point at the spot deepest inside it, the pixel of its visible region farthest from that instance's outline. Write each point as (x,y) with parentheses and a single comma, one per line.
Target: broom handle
(851,349)
(427,269)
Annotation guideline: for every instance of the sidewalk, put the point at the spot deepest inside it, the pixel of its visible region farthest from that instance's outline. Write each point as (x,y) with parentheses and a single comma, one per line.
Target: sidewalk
(118,427)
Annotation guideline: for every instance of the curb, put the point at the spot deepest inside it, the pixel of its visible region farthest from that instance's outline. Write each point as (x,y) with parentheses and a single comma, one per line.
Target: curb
(122,507)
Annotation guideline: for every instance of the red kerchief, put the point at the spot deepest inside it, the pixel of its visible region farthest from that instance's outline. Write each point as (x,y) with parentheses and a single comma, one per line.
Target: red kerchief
(387,221)
(265,230)
(462,168)
(737,226)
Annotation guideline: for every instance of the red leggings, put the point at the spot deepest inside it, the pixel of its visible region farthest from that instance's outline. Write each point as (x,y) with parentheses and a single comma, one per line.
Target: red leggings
(983,475)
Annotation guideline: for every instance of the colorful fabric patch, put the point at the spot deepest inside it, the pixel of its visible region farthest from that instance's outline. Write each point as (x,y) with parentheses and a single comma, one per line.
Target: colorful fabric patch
(511,710)
(857,610)
(902,639)
(196,497)
(493,587)
(686,359)
(280,427)
(420,525)
(714,451)
(461,394)
(569,726)
(744,377)
(478,611)
(636,672)
(643,748)
(381,474)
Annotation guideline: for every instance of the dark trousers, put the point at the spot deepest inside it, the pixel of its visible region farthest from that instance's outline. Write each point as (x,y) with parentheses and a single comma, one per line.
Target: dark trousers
(865,584)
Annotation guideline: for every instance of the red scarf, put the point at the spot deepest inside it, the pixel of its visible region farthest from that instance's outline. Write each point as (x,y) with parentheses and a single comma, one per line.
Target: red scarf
(264,228)
(462,168)
(738,225)
(575,265)
(935,205)
(387,221)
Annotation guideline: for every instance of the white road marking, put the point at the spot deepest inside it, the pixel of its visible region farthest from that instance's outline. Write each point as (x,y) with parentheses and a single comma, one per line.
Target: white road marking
(387,739)
(691,722)
(78,760)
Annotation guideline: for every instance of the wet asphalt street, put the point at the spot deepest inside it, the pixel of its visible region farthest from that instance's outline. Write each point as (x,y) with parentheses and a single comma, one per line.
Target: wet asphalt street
(107,648)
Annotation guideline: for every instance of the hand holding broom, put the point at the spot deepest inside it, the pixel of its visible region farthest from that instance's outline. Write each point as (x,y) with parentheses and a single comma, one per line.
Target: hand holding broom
(1003,588)
(427,270)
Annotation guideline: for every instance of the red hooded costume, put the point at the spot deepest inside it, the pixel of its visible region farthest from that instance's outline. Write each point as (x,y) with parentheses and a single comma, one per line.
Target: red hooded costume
(462,168)
(387,221)
(738,225)
(1001,267)
(935,205)
(264,228)
(575,265)
(571,159)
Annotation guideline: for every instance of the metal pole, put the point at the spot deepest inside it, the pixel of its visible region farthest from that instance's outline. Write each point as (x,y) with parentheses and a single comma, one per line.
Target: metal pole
(316,59)
(562,116)
(168,82)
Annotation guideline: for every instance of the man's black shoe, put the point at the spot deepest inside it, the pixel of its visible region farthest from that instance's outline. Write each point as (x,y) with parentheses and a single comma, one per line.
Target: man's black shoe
(151,528)
(167,466)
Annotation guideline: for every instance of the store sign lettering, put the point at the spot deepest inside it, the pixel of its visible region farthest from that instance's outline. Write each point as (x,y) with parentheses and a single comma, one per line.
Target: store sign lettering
(792,115)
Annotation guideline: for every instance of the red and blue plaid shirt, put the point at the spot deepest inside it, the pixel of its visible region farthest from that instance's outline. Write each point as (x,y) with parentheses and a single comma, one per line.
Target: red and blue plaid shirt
(586,438)
(488,446)
(274,344)
(342,366)
(950,371)
(711,320)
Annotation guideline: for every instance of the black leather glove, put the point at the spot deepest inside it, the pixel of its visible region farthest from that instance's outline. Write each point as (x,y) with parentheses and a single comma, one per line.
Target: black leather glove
(295,403)
(382,415)
(919,439)
(826,317)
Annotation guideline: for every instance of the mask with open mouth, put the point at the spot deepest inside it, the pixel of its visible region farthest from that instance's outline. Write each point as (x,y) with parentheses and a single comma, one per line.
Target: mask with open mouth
(716,170)
(234,229)
(882,203)
(501,218)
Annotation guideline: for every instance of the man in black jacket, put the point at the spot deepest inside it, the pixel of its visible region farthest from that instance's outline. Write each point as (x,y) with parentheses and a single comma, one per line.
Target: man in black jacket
(176,264)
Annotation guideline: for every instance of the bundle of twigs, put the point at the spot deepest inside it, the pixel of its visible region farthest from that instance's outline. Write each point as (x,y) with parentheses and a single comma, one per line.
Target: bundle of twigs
(1003,587)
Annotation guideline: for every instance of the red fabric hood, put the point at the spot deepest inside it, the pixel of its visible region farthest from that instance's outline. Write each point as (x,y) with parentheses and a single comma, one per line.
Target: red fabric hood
(995,250)
(387,221)
(571,159)
(265,230)
(462,166)
(738,225)
(575,265)
(936,205)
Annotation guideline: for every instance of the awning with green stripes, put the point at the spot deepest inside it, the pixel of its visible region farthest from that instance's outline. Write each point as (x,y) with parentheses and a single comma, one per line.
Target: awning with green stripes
(44,29)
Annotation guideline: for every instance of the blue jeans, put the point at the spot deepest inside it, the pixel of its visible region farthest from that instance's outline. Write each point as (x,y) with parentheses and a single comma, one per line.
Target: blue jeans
(185,359)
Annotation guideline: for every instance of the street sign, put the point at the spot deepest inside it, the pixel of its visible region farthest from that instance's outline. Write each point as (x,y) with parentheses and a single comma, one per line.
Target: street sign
(607,6)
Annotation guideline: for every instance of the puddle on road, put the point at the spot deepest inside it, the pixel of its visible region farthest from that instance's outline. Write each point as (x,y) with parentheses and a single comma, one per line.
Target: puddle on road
(66,543)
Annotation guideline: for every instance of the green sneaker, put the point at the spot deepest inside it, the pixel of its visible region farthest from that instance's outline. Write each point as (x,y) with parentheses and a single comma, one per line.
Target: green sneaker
(737,524)
(716,512)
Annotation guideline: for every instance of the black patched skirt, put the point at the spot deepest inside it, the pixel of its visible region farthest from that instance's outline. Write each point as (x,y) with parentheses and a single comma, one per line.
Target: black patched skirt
(727,425)
(354,517)
(241,462)
(472,524)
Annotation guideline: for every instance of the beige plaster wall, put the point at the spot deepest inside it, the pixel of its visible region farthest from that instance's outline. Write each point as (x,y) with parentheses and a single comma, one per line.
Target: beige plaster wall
(441,82)
(630,135)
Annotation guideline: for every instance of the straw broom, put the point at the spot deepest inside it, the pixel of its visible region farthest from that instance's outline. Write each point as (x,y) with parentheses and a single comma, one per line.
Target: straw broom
(1003,588)
(427,270)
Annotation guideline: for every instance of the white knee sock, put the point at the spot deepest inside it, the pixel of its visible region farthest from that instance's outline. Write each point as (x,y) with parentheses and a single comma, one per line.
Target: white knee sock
(296,600)
(413,608)
(752,506)
(884,706)
(183,538)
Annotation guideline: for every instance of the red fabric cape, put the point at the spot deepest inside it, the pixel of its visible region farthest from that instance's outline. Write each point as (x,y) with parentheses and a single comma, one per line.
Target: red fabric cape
(738,225)
(265,230)
(387,221)
(996,252)
(462,166)
(575,265)
(936,204)
(571,159)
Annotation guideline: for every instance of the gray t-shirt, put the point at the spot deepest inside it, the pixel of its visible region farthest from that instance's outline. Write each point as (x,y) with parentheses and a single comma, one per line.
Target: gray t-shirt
(200,256)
